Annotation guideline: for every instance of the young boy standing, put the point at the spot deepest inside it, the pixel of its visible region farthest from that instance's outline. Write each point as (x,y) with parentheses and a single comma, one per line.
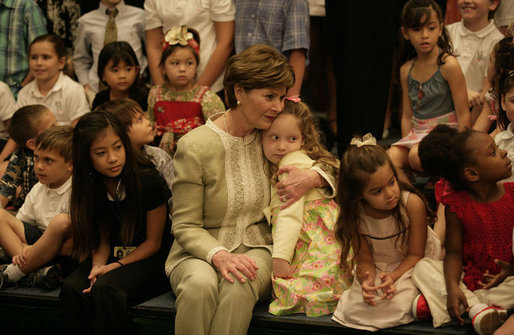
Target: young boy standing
(112,21)
(49,197)
(26,124)
(473,39)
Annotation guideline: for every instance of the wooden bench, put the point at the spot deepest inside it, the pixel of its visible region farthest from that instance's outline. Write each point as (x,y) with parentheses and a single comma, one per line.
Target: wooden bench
(35,311)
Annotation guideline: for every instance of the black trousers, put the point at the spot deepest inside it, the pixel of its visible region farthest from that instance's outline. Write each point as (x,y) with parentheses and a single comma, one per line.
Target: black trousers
(105,310)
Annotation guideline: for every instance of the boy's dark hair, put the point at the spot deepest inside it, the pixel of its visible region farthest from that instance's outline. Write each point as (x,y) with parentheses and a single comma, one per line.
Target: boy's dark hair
(57,138)
(24,123)
(125,110)
(444,153)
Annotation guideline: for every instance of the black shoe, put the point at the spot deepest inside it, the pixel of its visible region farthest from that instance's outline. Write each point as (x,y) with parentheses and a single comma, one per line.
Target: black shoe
(4,257)
(5,282)
(47,278)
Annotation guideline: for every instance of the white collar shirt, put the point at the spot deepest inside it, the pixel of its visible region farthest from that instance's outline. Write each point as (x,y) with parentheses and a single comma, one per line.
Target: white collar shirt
(130,23)
(66,100)
(43,203)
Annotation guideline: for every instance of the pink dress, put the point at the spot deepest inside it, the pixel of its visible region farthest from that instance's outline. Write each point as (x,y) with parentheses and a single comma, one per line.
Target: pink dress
(381,236)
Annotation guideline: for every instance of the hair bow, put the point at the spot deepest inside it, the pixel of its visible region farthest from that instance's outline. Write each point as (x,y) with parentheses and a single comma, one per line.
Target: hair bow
(180,35)
(294,98)
(367,139)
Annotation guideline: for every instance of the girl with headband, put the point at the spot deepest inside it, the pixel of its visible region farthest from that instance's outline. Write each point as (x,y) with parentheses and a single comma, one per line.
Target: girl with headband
(180,105)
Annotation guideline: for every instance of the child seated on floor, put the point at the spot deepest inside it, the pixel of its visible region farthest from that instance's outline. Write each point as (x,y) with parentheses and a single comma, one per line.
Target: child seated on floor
(140,132)
(385,221)
(479,222)
(26,124)
(307,276)
(53,167)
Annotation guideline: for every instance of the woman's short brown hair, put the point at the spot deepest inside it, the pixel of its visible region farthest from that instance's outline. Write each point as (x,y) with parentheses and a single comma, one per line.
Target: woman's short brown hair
(259,66)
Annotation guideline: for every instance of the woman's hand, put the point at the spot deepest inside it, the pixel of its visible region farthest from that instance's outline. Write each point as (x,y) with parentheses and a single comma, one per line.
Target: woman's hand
(456,298)
(296,184)
(238,265)
(387,286)
(494,280)
(368,289)
(282,269)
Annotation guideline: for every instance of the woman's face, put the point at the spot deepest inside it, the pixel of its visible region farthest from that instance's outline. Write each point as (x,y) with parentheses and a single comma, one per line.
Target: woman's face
(260,106)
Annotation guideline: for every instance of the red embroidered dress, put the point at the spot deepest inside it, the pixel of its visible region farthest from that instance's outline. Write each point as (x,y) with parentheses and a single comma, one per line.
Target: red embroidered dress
(177,113)
(487,233)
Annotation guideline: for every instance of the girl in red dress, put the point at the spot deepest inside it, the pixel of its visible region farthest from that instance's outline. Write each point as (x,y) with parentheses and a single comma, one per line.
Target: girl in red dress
(179,105)
(479,223)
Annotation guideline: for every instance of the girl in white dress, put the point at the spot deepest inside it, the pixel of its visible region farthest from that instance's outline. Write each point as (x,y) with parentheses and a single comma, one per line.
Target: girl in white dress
(385,222)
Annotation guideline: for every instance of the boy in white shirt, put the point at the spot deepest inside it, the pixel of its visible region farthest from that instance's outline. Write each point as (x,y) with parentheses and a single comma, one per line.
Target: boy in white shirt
(91,38)
(49,197)
(473,39)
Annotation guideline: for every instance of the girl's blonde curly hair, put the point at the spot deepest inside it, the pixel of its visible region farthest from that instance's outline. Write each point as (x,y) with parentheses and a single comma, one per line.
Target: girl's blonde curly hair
(311,137)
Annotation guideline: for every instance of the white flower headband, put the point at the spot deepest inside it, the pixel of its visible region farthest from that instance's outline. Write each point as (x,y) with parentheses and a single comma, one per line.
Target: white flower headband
(180,35)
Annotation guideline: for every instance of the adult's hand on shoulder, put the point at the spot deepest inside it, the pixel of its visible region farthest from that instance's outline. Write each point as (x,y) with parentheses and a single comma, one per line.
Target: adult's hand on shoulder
(296,184)
(239,265)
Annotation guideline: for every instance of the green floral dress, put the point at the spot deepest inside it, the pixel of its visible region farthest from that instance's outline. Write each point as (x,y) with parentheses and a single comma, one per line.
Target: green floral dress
(318,280)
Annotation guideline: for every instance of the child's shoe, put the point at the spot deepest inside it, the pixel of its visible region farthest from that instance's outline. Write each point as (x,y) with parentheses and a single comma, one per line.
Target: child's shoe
(489,319)
(420,309)
(4,257)
(47,278)
(5,282)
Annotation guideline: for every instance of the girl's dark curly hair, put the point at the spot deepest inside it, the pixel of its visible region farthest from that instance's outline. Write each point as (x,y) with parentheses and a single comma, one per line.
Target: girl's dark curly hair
(444,153)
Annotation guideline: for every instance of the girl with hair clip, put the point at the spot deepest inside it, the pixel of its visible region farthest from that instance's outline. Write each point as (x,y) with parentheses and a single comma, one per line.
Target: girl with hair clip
(180,105)
(479,222)
(118,202)
(118,69)
(501,60)
(433,86)
(384,221)
(307,277)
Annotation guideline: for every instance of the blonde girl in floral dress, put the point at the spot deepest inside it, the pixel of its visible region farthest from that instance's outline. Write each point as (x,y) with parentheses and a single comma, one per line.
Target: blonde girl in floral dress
(180,105)
(306,276)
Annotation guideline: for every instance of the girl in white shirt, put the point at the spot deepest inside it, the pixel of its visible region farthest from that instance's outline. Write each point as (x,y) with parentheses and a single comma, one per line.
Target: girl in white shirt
(50,87)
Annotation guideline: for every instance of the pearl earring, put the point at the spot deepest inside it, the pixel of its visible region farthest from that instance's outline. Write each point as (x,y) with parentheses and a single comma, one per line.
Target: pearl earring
(238,102)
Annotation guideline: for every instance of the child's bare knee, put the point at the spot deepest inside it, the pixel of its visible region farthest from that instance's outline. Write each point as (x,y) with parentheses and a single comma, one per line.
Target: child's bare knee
(60,223)
(414,161)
